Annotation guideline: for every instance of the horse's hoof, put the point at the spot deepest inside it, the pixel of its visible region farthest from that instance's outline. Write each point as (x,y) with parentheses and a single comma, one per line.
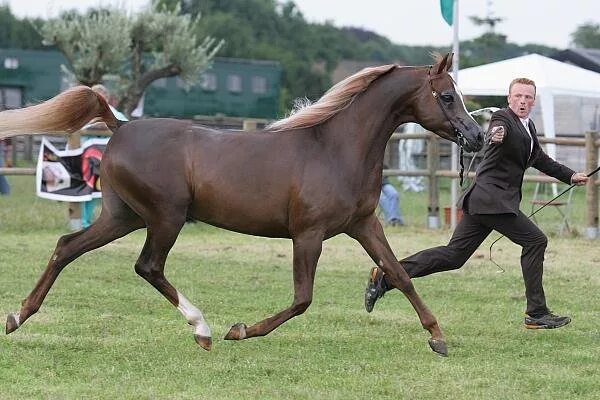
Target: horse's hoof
(439,346)
(237,332)
(12,323)
(204,341)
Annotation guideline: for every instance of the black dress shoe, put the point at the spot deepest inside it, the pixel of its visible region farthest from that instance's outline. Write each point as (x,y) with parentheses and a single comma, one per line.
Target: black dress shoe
(547,321)
(375,289)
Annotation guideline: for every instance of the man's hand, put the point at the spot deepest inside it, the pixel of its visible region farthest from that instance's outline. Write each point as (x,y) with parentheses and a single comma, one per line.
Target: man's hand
(497,134)
(579,178)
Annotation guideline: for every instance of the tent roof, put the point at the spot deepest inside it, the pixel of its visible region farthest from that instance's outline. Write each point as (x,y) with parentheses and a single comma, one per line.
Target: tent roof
(549,75)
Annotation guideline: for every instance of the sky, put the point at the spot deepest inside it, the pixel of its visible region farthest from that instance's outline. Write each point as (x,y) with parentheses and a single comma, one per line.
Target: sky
(409,22)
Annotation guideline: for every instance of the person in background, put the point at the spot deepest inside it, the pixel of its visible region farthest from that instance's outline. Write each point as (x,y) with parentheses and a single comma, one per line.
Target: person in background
(389,202)
(492,203)
(111,100)
(92,162)
(4,162)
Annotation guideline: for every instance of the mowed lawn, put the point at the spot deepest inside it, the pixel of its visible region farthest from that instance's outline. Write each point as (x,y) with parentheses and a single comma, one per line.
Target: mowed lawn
(104,333)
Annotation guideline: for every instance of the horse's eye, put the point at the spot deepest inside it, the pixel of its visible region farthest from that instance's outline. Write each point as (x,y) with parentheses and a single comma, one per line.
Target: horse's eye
(448,98)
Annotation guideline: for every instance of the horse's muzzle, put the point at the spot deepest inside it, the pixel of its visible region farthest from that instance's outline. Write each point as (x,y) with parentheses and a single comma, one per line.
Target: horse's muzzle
(470,144)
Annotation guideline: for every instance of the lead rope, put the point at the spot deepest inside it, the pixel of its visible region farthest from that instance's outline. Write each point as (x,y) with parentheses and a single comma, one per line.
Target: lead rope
(536,211)
(470,164)
(459,136)
(462,165)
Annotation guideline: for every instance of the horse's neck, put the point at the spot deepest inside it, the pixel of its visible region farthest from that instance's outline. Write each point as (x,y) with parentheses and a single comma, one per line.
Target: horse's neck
(364,128)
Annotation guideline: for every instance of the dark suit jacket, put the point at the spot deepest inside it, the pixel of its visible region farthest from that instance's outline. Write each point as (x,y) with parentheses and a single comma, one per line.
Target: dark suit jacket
(496,188)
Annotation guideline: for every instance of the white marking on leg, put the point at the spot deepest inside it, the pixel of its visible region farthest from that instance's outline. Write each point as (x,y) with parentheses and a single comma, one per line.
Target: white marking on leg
(16,317)
(193,316)
(380,263)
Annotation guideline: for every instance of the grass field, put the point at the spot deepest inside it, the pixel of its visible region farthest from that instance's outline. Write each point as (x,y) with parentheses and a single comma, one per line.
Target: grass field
(104,333)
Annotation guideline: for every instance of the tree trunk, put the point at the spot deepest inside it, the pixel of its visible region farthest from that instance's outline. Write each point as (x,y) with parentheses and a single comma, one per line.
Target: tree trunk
(136,89)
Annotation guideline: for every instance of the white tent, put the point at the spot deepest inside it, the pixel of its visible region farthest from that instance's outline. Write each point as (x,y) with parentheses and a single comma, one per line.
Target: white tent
(551,78)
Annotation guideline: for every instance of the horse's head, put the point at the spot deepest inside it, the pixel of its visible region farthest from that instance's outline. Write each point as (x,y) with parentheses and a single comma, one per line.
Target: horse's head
(440,108)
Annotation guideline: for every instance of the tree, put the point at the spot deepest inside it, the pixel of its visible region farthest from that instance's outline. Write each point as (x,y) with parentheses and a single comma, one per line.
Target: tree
(587,36)
(17,33)
(308,52)
(136,49)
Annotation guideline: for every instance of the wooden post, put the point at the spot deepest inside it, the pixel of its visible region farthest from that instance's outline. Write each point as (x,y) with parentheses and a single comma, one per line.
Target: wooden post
(591,190)
(28,149)
(74,142)
(433,160)
(391,157)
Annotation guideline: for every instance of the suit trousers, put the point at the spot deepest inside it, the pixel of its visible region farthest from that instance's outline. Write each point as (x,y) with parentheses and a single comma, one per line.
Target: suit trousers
(470,233)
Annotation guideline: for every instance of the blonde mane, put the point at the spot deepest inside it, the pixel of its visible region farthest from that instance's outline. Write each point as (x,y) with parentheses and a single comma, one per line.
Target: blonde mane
(337,98)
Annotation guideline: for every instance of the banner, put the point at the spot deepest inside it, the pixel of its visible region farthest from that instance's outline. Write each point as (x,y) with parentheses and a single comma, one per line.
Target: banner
(447,7)
(70,175)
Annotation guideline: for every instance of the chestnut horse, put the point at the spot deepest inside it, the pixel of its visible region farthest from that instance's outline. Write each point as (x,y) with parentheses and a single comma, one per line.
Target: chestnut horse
(308,177)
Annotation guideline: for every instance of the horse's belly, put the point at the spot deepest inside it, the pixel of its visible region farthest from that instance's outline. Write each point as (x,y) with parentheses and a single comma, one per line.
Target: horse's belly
(263,218)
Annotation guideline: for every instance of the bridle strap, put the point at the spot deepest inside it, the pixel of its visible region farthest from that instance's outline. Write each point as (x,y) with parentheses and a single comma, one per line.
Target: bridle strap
(460,139)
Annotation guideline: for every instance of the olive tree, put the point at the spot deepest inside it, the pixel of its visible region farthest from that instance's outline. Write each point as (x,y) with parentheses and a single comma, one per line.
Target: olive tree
(587,36)
(136,49)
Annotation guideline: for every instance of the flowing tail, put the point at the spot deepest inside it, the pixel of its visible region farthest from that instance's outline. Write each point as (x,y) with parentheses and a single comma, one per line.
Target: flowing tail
(65,113)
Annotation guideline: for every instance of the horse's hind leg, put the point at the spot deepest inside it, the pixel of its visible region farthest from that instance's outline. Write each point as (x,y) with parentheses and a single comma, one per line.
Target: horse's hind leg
(307,249)
(369,234)
(116,220)
(162,233)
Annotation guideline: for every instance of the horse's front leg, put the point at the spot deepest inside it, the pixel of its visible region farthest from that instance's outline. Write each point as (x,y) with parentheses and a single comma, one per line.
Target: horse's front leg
(369,233)
(307,249)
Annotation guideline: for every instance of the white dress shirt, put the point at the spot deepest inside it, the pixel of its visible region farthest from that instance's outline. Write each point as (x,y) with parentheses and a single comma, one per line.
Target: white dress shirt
(525,123)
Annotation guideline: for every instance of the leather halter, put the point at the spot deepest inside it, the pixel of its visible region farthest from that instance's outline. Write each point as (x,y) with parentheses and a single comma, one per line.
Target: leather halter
(460,138)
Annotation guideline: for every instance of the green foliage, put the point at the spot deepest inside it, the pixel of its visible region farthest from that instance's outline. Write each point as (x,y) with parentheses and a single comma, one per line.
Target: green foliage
(308,52)
(475,103)
(104,333)
(94,44)
(136,49)
(259,29)
(587,36)
(16,33)
(171,40)
(491,47)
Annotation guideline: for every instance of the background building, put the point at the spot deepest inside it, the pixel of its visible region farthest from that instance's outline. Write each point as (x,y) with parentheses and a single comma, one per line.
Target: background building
(230,87)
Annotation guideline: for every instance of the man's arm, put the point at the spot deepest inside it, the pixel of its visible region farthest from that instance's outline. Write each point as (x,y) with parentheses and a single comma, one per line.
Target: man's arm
(557,170)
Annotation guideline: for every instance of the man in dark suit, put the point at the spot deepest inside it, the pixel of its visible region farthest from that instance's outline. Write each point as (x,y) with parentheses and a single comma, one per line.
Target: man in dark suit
(492,203)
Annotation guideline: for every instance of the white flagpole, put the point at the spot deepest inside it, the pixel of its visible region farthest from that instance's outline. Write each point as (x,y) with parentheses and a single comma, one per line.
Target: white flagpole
(454,158)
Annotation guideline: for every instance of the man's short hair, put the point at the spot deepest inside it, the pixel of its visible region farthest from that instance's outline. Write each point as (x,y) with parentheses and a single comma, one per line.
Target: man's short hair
(101,90)
(524,81)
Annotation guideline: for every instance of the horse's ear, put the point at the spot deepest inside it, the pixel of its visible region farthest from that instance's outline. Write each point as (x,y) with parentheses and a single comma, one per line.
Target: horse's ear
(449,59)
(444,64)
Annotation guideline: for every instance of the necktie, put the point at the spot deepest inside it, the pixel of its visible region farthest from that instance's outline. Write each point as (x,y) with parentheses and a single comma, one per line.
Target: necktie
(526,125)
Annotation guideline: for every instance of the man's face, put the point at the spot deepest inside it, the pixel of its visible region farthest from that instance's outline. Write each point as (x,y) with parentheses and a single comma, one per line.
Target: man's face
(521,99)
